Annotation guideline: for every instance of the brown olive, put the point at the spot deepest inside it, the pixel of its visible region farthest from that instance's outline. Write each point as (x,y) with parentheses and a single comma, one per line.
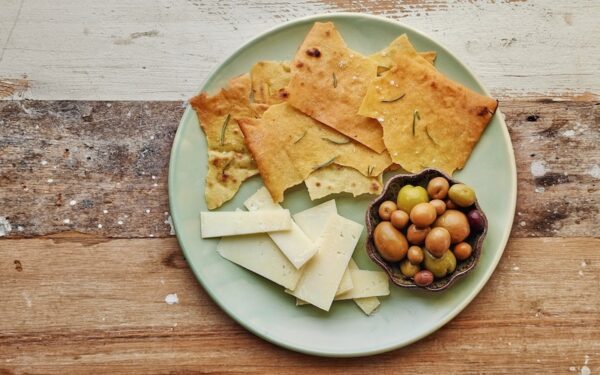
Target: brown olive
(408,269)
(438,188)
(461,251)
(423,215)
(399,219)
(415,254)
(456,223)
(450,205)
(390,242)
(415,235)
(438,241)
(423,278)
(386,209)
(439,205)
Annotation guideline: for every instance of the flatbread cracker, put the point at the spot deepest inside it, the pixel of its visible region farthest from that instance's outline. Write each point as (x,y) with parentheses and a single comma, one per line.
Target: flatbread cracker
(428,120)
(288,146)
(336,178)
(269,79)
(399,49)
(229,161)
(328,83)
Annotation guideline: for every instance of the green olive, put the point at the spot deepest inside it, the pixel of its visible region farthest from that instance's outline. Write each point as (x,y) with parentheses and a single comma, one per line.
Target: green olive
(423,215)
(415,254)
(438,241)
(409,196)
(390,242)
(408,269)
(462,195)
(456,223)
(386,209)
(415,235)
(399,219)
(461,251)
(442,266)
(438,188)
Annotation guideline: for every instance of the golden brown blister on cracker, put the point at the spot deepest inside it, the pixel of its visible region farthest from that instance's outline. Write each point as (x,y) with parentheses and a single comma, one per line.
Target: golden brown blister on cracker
(288,146)
(336,178)
(328,83)
(428,119)
(269,79)
(229,161)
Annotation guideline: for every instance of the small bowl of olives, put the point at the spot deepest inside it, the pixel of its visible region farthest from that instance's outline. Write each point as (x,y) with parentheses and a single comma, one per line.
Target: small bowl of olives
(425,230)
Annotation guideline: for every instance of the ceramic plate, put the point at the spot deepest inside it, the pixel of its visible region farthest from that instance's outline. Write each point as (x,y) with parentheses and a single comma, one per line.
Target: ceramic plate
(261,306)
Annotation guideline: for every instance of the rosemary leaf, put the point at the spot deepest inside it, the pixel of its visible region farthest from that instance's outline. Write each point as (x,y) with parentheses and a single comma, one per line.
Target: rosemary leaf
(416,117)
(334,80)
(299,139)
(430,137)
(223,128)
(382,69)
(327,163)
(370,170)
(336,142)
(226,165)
(393,100)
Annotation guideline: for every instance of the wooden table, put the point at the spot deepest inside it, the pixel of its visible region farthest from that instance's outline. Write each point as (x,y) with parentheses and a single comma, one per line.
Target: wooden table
(92,94)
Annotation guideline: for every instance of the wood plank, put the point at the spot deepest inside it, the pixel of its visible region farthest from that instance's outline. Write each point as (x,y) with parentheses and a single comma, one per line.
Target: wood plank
(80,305)
(163,50)
(65,160)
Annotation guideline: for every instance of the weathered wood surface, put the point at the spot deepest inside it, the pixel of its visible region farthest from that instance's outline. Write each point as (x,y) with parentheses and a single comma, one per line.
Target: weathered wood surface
(65,163)
(79,304)
(163,49)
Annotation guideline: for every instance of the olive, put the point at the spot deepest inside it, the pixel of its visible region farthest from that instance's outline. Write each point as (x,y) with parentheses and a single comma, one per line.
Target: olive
(399,219)
(437,241)
(462,195)
(415,254)
(442,266)
(386,209)
(423,215)
(450,205)
(390,242)
(415,235)
(423,278)
(438,188)
(476,220)
(408,269)
(439,205)
(456,223)
(462,251)
(409,196)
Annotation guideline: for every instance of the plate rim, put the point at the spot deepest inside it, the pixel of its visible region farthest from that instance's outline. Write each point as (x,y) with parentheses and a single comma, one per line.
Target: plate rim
(377,350)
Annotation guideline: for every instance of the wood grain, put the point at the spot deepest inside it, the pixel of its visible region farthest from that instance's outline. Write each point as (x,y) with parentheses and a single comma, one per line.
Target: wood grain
(80,305)
(66,162)
(163,50)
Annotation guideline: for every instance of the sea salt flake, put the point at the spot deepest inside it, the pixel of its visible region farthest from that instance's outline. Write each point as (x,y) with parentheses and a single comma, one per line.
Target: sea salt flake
(172,299)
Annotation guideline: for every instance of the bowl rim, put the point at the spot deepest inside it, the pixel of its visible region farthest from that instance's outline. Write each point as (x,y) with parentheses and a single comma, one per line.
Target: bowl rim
(371,249)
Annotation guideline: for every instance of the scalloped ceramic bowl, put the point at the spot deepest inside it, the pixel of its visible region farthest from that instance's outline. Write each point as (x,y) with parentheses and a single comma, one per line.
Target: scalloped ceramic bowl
(390,192)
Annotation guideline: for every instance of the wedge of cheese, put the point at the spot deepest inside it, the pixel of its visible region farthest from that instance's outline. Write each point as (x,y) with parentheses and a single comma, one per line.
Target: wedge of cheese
(233,223)
(294,243)
(367,304)
(322,275)
(312,222)
(259,254)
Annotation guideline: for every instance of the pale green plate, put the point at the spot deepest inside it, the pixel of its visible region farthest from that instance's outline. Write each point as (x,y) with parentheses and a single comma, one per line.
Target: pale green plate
(261,306)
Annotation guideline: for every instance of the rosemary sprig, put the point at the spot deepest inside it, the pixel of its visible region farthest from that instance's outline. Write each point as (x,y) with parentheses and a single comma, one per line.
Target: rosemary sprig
(416,116)
(336,142)
(327,163)
(393,100)
(299,139)
(370,170)
(430,137)
(223,128)
(334,80)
